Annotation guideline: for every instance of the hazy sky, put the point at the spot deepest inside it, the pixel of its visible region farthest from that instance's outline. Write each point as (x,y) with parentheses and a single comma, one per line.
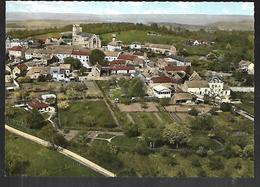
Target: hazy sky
(234,8)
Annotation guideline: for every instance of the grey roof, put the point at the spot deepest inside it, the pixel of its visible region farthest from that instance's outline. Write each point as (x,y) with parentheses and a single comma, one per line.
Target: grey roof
(84,34)
(215,79)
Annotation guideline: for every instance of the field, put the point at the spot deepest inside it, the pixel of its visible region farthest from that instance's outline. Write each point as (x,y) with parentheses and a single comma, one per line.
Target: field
(42,161)
(128,37)
(84,114)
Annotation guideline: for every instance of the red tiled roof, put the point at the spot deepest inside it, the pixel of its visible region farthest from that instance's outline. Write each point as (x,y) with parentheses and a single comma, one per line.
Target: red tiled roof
(176,68)
(164,80)
(16,48)
(22,66)
(161,80)
(82,53)
(37,105)
(121,68)
(127,57)
(117,62)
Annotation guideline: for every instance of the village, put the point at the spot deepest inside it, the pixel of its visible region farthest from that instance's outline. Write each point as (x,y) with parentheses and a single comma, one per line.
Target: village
(110,93)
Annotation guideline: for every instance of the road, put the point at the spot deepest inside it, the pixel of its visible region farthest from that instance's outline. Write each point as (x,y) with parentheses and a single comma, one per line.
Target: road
(63,151)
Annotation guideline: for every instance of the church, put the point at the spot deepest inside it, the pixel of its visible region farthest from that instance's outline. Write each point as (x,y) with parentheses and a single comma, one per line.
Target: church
(87,40)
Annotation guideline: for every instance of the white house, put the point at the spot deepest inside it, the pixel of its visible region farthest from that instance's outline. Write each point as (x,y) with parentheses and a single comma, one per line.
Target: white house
(217,87)
(198,87)
(83,56)
(135,45)
(122,70)
(114,45)
(160,91)
(48,96)
(161,49)
(16,52)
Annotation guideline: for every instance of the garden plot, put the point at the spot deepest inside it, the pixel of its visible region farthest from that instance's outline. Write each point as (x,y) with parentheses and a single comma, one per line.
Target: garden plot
(137,107)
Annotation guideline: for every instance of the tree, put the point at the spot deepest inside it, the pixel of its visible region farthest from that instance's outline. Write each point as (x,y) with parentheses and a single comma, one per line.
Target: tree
(176,134)
(74,62)
(141,148)
(26,79)
(63,105)
(136,88)
(248,151)
(153,136)
(154,26)
(226,107)
(216,163)
(36,120)
(97,56)
(131,130)
(203,123)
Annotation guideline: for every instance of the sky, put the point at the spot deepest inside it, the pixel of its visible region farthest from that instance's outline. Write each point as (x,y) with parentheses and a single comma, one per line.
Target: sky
(94,7)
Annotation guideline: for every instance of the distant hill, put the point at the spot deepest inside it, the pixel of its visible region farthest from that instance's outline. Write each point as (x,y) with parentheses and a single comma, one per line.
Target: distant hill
(49,19)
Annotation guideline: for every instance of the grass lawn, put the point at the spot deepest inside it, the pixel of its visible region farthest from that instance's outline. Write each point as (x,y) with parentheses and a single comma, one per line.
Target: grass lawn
(45,36)
(128,37)
(44,162)
(86,114)
(247,106)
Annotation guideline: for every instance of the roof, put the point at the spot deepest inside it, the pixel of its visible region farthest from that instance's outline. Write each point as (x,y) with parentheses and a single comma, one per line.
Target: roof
(40,70)
(37,104)
(215,79)
(22,66)
(112,53)
(194,76)
(65,66)
(80,52)
(183,96)
(16,48)
(127,57)
(161,88)
(162,80)
(85,35)
(115,43)
(117,62)
(197,84)
(122,68)
(176,68)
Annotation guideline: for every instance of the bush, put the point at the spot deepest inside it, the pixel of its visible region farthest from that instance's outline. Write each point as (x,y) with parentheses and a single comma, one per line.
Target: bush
(172,161)
(193,112)
(201,151)
(248,151)
(216,163)
(164,151)
(131,130)
(141,148)
(195,162)
(201,172)
(226,107)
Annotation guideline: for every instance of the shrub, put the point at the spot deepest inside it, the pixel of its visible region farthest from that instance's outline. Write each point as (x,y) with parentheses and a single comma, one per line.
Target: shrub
(195,162)
(226,107)
(248,151)
(141,148)
(216,163)
(201,151)
(131,130)
(172,161)
(201,172)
